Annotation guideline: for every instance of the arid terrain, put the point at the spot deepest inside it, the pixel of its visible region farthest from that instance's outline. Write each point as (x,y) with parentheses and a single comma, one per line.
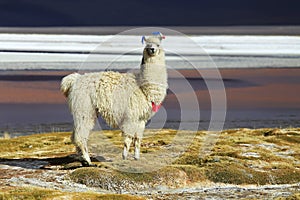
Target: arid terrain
(238,163)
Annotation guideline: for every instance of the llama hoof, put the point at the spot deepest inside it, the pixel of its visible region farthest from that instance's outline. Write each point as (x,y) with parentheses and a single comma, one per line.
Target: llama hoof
(86,164)
(137,154)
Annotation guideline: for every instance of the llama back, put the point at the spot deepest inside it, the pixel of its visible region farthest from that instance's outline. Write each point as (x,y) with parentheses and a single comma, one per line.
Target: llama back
(116,98)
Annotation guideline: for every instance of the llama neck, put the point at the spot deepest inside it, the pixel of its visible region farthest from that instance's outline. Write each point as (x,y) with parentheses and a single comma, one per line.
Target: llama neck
(153,78)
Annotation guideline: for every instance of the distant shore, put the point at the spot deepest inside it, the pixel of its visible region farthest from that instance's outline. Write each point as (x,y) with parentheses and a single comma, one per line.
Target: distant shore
(189,30)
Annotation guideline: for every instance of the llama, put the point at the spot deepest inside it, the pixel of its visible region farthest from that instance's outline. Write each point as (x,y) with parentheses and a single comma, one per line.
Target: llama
(124,100)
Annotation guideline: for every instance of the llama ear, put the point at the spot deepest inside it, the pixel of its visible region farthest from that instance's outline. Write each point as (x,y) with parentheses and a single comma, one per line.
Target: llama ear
(159,35)
(143,39)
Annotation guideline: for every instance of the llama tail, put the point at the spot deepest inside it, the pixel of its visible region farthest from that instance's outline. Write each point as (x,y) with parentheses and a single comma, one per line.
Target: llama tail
(67,83)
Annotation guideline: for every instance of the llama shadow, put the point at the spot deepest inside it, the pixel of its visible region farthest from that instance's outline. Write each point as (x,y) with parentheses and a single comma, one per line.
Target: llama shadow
(61,163)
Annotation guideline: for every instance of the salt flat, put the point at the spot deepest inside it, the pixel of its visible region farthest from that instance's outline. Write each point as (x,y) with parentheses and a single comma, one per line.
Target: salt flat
(98,52)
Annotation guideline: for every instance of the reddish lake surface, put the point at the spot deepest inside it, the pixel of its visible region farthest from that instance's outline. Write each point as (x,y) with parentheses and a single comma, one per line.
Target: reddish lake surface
(30,101)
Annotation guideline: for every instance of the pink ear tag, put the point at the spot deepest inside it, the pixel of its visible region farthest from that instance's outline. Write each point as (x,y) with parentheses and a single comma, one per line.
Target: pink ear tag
(155,107)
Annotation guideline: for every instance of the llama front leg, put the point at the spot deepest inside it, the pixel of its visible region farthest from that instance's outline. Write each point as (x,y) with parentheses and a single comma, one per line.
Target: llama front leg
(127,143)
(137,128)
(137,146)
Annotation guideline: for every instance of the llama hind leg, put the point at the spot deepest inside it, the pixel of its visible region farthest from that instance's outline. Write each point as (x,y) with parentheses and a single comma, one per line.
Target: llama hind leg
(80,137)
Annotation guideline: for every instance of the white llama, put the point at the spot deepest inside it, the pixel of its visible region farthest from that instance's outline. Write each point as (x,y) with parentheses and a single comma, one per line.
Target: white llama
(123,100)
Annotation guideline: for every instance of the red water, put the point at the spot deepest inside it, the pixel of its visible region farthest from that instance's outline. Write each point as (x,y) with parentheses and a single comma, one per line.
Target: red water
(34,96)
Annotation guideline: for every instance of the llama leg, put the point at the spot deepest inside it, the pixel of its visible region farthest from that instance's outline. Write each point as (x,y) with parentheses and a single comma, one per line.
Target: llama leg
(140,127)
(80,140)
(137,145)
(82,127)
(85,153)
(127,142)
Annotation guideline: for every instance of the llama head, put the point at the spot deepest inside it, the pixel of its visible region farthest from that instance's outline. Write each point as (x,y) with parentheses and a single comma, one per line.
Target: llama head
(153,42)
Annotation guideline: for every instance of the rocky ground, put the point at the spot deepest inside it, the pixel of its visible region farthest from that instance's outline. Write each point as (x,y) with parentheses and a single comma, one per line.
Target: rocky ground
(233,164)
